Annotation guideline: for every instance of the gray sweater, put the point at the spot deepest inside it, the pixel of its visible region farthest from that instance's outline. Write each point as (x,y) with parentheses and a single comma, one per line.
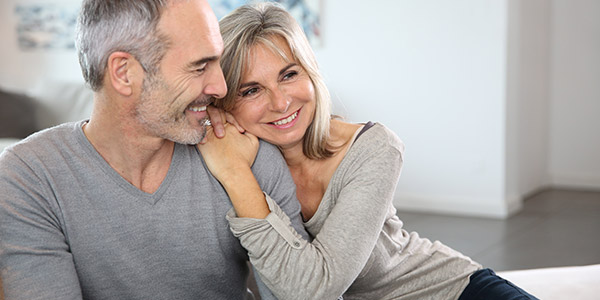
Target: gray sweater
(71,227)
(360,249)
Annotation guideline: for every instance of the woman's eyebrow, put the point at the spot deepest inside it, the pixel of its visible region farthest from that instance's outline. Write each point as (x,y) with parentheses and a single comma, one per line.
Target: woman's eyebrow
(251,83)
(243,85)
(287,67)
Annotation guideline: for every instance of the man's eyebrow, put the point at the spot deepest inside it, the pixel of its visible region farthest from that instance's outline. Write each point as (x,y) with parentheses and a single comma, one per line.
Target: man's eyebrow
(243,85)
(202,61)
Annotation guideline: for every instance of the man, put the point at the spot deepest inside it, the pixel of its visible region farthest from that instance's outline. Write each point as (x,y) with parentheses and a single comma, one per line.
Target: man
(121,206)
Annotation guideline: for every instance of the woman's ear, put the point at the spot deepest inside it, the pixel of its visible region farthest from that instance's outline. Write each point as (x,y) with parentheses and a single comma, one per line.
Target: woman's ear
(123,72)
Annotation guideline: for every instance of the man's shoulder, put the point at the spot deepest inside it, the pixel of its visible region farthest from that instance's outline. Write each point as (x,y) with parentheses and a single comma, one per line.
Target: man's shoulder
(269,163)
(268,148)
(268,154)
(42,145)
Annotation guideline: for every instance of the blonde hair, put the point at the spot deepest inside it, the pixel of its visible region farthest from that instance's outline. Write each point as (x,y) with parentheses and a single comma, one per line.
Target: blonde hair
(251,24)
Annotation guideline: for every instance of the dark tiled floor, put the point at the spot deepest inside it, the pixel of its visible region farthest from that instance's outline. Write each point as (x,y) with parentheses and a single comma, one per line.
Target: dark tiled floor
(555,228)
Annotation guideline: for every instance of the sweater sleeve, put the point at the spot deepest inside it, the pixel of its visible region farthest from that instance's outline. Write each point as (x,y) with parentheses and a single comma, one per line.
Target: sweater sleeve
(294,268)
(273,176)
(35,261)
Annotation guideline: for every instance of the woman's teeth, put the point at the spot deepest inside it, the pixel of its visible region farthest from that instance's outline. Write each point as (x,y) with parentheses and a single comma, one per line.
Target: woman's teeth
(197,108)
(286,120)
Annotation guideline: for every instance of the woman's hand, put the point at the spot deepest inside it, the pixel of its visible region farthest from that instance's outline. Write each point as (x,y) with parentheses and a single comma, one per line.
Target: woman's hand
(218,119)
(228,155)
(229,159)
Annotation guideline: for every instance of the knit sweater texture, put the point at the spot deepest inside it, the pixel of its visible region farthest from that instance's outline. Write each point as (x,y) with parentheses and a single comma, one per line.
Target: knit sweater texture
(360,249)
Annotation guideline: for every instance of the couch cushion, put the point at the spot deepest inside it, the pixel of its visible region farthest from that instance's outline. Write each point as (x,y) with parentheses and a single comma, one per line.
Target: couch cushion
(574,282)
(17,115)
(61,102)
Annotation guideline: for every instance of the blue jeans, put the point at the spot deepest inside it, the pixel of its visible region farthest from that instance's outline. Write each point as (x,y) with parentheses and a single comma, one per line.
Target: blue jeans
(486,285)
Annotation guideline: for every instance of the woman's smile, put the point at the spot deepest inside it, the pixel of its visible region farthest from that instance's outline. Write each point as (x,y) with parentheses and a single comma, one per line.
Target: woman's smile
(288,121)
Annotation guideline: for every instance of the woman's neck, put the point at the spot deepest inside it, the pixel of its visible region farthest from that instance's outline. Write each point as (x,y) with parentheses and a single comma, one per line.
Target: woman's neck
(312,176)
(294,156)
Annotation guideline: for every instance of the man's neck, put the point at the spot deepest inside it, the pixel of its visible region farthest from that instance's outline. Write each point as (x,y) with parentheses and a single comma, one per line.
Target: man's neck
(140,159)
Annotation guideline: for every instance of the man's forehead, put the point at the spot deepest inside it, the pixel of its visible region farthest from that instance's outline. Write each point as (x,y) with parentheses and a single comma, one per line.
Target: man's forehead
(188,13)
(191,23)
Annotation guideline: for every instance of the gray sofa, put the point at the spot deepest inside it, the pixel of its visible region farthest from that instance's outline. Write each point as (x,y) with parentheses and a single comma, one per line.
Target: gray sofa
(44,106)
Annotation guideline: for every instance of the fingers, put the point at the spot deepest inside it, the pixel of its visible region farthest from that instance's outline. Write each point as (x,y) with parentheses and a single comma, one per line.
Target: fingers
(231,120)
(209,133)
(217,119)
(250,135)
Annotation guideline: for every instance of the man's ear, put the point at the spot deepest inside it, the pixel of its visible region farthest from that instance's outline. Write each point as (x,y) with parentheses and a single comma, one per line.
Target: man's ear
(124,71)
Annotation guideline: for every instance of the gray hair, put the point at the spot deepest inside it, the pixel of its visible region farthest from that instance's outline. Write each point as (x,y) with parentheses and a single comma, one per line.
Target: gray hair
(106,26)
(257,23)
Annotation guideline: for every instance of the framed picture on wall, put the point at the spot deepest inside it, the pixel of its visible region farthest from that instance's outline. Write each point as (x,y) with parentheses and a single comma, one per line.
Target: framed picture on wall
(306,12)
(51,25)
(46,25)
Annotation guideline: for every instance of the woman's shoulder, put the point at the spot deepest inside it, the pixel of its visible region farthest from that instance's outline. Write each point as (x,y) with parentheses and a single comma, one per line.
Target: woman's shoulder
(379,137)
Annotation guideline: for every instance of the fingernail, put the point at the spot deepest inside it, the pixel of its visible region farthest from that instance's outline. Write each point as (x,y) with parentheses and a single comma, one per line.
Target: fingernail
(219,132)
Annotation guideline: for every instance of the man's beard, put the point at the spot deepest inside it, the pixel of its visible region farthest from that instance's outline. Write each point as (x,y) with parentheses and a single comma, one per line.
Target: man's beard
(170,123)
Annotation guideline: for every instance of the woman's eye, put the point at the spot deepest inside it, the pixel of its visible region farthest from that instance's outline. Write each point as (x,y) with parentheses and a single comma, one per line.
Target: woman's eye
(290,75)
(249,92)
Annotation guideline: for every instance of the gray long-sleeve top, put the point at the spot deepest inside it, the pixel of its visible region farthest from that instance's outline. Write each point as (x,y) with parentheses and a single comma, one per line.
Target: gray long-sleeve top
(360,249)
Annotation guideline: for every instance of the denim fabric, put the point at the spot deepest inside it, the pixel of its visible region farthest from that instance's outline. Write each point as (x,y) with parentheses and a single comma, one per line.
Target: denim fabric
(486,285)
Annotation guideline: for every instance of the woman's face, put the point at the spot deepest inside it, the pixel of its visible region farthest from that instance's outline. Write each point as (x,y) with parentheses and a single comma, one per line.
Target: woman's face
(276,101)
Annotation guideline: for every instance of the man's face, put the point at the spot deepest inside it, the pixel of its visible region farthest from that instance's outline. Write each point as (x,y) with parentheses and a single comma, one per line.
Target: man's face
(173,102)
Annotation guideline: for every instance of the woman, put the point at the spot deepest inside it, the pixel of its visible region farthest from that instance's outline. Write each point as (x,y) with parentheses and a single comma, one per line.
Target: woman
(345,173)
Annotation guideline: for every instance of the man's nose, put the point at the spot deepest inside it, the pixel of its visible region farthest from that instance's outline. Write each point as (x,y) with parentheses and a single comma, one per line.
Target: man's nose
(216,85)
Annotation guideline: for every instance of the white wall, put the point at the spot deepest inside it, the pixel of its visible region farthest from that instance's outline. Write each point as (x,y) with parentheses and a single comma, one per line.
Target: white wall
(528,103)
(434,72)
(575,94)
(493,99)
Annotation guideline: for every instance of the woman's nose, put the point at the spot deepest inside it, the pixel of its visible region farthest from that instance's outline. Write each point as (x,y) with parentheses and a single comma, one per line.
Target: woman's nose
(280,101)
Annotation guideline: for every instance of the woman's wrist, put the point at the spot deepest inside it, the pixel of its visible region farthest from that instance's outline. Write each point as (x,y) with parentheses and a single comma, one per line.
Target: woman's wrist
(245,194)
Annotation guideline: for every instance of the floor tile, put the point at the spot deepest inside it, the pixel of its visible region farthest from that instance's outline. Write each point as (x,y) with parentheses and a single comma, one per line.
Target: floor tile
(555,228)
(466,234)
(557,241)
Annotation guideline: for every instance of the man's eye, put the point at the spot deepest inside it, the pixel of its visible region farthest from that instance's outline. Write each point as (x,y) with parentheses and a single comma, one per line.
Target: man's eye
(201,69)
(249,92)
